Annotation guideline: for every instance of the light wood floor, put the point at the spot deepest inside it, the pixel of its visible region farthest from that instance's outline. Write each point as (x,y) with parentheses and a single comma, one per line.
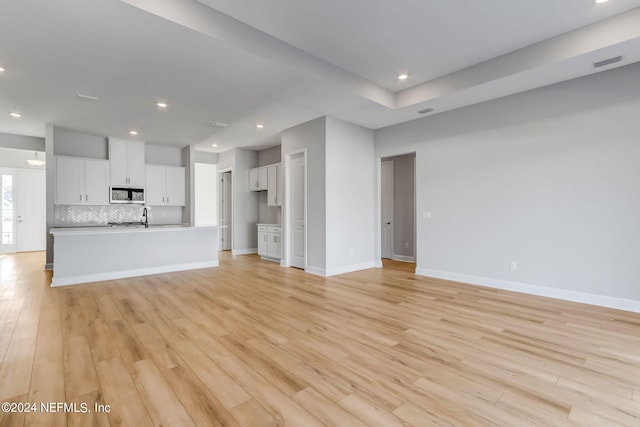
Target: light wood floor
(254,344)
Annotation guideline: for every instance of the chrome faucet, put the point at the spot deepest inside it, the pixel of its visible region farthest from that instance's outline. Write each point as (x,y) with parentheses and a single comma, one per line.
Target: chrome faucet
(145,216)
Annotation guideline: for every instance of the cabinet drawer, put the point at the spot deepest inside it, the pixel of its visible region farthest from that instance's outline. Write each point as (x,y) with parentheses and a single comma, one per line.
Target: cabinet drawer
(274,229)
(262,228)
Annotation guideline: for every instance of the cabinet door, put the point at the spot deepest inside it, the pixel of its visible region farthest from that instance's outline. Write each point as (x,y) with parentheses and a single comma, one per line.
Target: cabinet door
(279,185)
(262,243)
(135,164)
(156,189)
(118,162)
(274,245)
(272,185)
(175,186)
(262,178)
(69,181)
(253,179)
(96,182)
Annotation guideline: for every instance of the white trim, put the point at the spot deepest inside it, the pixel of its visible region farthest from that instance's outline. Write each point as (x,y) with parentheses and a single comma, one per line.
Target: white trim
(340,270)
(316,270)
(562,294)
(379,264)
(113,275)
(266,258)
(403,258)
(249,251)
(350,268)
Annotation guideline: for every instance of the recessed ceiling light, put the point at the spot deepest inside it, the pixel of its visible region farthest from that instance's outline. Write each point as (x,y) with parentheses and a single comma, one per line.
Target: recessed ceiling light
(601,1)
(219,125)
(1,69)
(403,76)
(259,125)
(214,145)
(161,104)
(133,132)
(16,115)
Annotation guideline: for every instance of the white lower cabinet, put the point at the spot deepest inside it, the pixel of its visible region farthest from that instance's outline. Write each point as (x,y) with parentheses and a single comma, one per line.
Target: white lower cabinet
(270,241)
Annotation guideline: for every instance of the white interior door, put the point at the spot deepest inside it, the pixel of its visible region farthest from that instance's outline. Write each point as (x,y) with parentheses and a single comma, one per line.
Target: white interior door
(297,222)
(7,211)
(225,211)
(30,197)
(386,210)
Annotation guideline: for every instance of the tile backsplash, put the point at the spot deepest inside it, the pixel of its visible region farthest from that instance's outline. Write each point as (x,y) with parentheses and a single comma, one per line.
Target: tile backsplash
(83,216)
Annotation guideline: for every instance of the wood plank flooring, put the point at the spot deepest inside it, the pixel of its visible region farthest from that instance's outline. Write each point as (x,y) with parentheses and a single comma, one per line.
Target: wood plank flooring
(254,344)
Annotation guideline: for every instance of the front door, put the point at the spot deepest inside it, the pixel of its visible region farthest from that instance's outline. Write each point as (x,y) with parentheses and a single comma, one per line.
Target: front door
(30,210)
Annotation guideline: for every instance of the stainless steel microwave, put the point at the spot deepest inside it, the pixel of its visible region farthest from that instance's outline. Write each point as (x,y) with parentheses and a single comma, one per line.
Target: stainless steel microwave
(126,195)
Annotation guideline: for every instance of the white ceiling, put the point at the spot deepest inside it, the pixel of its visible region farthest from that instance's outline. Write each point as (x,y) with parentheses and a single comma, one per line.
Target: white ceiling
(283,62)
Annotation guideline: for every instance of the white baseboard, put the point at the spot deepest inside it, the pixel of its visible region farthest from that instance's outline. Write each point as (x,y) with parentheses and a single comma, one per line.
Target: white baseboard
(113,275)
(403,258)
(379,263)
(563,294)
(340,270)
(266,258)
(249,251)
(315,270)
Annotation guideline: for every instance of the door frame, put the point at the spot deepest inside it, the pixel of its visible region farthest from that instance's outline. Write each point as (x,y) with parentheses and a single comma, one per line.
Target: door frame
(220,207)
(378,207)
(286,214)
(392,236)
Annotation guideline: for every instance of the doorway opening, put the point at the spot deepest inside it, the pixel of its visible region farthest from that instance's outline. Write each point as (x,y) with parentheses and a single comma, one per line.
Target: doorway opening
(296,212)
(226,210)
(398,212)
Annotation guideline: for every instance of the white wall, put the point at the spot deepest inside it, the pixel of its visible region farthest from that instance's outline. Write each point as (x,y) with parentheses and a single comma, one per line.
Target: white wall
(11,158)
(311,135)
(547,178)
(206,197)
(350,197)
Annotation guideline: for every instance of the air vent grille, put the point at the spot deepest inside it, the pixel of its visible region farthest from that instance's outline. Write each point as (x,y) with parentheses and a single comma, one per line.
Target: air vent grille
(607,62)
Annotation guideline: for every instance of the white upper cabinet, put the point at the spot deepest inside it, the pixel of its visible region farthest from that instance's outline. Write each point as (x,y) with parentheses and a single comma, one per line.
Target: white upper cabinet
(175,186)
(258,179)
(127,163)
(81,181)
(165,185)
(274,185)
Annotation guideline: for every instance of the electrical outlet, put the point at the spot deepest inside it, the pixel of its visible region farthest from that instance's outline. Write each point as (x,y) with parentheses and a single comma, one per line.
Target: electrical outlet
(406,245)
(514,266)
(426,214)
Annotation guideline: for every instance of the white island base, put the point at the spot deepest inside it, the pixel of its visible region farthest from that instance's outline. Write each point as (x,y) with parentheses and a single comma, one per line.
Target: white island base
(82,255)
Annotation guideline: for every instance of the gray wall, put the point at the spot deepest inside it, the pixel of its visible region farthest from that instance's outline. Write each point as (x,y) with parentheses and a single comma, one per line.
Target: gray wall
(206,157)
(312,135)
(269,156)
(547,178)
(79,144)
(404,212)
(350,196)
(20,142)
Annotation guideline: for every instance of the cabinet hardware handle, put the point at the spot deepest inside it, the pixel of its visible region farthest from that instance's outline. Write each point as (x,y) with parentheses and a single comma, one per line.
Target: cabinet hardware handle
(167,199)
(81,197)
(86,197)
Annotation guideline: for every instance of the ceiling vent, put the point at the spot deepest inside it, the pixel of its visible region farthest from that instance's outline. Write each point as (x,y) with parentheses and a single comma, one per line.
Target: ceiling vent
(425,111)
(607,62)
(219,125)
(87,97)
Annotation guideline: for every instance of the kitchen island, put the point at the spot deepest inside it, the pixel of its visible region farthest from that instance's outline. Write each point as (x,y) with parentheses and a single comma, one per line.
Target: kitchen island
(92,254)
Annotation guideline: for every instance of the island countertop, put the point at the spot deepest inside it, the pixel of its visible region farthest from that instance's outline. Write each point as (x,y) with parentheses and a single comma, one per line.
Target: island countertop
(100,229)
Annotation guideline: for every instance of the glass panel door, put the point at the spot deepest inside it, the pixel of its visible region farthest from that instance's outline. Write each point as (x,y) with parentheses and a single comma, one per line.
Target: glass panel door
(7,214)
